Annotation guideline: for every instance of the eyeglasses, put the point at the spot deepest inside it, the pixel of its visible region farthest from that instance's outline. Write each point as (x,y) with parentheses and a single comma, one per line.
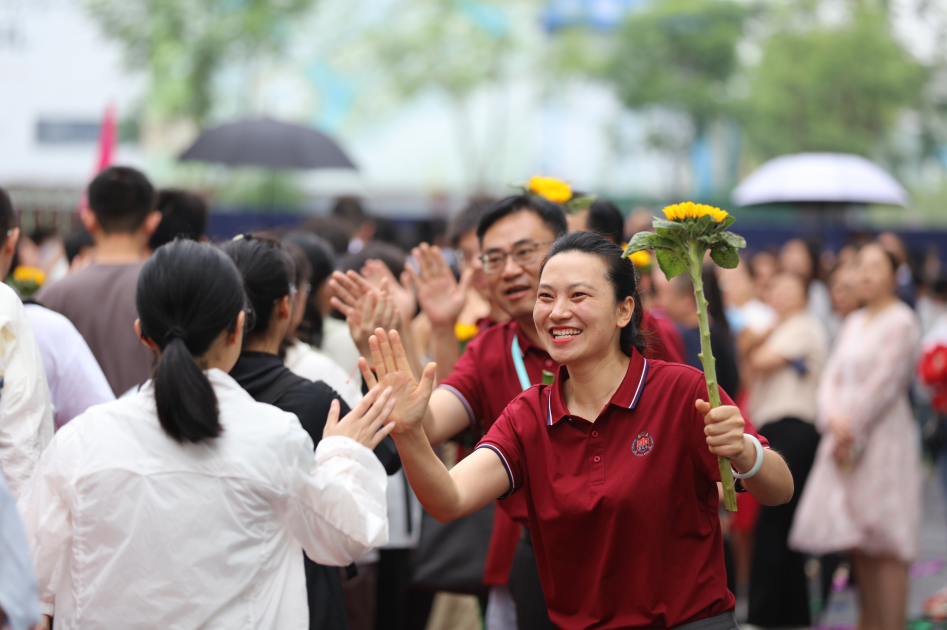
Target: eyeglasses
(523,254)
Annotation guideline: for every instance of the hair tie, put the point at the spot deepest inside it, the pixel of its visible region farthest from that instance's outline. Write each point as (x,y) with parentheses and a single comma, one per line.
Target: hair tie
(175,332)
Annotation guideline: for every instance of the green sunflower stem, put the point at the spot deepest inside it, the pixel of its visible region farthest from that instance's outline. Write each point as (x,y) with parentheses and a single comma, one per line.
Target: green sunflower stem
(696,268)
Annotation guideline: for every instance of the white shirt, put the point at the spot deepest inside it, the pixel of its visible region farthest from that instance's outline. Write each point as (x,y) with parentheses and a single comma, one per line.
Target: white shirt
(76,381)
(130,529)
(306,362)
(26,417)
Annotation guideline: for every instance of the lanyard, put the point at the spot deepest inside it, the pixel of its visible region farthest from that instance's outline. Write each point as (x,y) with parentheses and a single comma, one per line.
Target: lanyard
(518,363)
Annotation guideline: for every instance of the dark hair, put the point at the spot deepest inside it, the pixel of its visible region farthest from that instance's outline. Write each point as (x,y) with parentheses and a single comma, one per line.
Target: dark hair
(392,255)
(714,297)
(121,198)
(7,215)
(321,263)
(332,230)
(187,294)
(183,214)
(468,219)
(76,242)
(605,218)
(550,213)
(268,274)
(621,274)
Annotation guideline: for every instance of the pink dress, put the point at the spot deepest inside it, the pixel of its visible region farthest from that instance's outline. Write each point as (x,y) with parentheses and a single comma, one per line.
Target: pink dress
(876,506)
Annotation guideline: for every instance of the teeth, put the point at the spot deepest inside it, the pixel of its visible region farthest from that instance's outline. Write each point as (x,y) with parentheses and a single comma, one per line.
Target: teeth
(566,332)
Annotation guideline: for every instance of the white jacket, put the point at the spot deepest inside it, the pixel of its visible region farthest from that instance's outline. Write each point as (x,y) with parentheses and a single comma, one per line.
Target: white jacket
(130,529)
(26,417)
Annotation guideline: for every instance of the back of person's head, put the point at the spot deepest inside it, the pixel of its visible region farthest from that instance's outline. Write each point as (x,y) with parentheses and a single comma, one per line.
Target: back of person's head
(620,274)
(183,215)
(121,197)
(268,275)
(318,252)
(188,294)
(550,213)
(605,219)
(7,216)
(79,240)
(468,219)
(321,264)
(392,255)
(332,230)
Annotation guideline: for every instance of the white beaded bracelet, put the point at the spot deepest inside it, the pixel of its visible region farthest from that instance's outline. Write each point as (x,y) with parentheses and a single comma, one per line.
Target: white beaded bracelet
(759,460)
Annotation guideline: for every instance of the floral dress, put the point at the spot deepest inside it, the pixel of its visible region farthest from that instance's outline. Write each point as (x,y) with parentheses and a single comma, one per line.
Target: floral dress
(875,506)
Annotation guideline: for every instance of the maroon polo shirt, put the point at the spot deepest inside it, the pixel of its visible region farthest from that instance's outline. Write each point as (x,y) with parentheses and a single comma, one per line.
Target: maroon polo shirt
(485,380)
(622,511)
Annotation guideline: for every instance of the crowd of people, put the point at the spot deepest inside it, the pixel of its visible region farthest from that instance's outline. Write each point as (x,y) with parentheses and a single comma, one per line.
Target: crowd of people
(315,428)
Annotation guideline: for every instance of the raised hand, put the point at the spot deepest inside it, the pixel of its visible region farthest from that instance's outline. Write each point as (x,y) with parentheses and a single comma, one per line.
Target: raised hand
(364,306)
(393,370)
(364,423)
(439,293)
(379,275)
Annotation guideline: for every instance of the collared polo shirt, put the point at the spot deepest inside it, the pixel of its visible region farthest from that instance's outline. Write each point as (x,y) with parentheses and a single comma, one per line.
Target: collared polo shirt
(485,380)
(622,511)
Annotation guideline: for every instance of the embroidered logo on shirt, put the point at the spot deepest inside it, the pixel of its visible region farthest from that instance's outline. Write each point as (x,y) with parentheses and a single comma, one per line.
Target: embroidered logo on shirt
(642,444)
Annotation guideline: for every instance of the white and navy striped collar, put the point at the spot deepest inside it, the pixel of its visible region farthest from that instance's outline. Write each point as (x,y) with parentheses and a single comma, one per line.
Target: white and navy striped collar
(628,394)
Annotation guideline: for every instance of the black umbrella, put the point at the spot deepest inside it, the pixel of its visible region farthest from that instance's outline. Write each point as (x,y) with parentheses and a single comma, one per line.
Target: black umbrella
(269,144)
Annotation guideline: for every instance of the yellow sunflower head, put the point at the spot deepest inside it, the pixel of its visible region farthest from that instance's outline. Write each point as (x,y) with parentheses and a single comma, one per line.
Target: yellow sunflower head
(691,210)
(641,260)
(29,274)
(553,189)
(465,332)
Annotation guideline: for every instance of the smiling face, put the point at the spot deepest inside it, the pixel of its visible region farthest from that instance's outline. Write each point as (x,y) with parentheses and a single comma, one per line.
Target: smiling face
(576,313)
(514,286)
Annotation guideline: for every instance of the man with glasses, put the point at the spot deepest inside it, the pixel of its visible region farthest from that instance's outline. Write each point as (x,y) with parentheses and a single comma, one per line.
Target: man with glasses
(496,367)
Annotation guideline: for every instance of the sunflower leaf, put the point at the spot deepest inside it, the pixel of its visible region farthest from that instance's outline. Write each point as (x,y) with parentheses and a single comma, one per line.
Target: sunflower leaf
(579,203)
(639,242)
(733,240)
(671,264)
(726,256)
(667,225)
(726,223)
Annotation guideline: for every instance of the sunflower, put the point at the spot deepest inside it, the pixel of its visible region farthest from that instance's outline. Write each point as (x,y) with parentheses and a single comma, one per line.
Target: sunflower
(465,332)
(641,260)
(29,274)
(553,189)
(691,210)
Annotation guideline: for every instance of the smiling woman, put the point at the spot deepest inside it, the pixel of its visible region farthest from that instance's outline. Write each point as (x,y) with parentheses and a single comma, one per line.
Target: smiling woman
(616,459)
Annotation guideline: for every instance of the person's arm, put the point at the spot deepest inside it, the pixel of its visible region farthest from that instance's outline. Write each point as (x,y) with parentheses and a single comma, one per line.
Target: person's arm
(335,504)
(765,360)
(724,431)
(442,298)
(470,485)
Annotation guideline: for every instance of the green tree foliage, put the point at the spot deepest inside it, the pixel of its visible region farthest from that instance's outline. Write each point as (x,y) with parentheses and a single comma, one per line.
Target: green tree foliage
(830,89)
(183,44)
(678,54)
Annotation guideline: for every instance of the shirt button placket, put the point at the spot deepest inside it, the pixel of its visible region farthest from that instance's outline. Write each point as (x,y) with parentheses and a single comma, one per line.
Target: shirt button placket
(597,451)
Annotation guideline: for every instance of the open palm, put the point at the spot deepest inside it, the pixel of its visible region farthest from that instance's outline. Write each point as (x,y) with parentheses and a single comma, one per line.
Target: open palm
(439,293)
(392,370)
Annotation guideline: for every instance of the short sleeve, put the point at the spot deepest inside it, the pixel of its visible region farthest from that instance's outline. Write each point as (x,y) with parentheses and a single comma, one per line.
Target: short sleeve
(504,440)
(466,381)
(708,461)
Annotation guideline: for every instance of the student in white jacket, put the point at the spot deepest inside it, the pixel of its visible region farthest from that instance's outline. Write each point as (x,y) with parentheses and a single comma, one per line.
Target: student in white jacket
(188,504)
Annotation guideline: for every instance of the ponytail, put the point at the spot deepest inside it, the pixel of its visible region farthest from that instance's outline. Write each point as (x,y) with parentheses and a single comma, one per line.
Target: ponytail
(188,294)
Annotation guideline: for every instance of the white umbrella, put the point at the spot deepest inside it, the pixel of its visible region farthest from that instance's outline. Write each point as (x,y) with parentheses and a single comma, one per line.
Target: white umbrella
(820,177)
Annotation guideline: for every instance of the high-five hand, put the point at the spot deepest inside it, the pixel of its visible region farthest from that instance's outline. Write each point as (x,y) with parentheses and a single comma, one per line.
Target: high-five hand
(393,370)
(439,293)
(364,423)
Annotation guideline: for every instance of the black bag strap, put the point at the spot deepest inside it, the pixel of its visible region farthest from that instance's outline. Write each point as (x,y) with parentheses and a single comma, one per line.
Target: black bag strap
(283,383)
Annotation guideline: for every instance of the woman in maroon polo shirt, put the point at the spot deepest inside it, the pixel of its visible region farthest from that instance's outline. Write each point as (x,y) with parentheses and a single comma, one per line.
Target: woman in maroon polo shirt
(617,458)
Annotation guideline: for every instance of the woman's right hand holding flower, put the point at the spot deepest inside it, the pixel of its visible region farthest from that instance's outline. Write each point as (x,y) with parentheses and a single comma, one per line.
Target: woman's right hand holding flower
(393,370)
